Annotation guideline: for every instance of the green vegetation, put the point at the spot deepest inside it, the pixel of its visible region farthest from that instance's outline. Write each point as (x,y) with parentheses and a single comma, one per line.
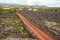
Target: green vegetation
(44,9)
(12,10)
(4,10)
(50,9)
(11,25)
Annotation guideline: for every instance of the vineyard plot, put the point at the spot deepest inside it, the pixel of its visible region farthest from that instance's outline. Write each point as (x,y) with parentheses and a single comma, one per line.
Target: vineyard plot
(11,26)
(48,21)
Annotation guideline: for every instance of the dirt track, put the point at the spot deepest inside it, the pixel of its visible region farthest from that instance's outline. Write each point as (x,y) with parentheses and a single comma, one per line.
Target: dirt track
(33,27)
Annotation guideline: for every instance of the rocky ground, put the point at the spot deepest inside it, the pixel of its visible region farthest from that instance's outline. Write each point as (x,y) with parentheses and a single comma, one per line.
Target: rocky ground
(12,26)
(48,21)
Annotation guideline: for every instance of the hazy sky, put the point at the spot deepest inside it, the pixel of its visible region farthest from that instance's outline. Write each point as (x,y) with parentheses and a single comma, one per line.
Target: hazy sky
(51,3)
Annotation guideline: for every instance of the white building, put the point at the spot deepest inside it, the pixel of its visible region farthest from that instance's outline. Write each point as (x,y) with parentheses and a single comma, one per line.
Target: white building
(30,9)
(34,9)
(20,8)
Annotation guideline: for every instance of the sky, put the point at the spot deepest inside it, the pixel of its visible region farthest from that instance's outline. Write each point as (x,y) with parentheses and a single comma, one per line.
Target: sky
(50,3)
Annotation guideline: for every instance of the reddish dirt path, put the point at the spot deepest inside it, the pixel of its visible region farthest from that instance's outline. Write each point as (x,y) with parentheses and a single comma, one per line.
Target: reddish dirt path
(33,27)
